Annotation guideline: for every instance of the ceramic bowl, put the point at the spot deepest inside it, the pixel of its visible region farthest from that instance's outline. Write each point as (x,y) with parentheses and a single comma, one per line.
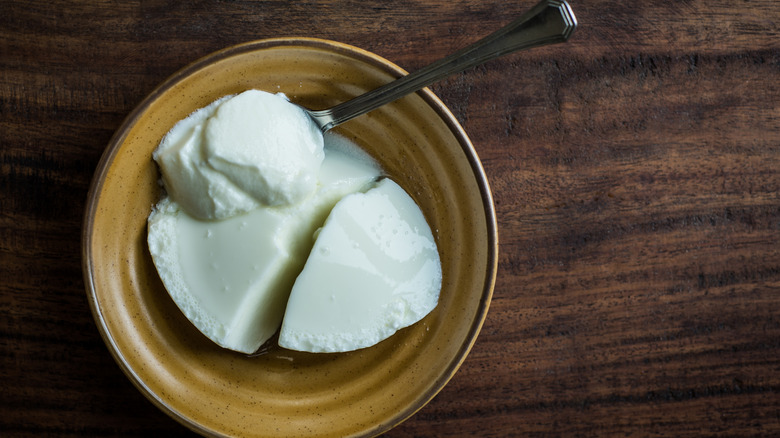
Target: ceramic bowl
(283,393)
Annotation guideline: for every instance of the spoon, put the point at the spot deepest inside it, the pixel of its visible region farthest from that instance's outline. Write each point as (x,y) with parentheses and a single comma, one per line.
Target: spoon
(549,22)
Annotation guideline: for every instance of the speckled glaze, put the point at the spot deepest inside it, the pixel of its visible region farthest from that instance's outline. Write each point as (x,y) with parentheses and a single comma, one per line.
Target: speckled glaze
(217,392)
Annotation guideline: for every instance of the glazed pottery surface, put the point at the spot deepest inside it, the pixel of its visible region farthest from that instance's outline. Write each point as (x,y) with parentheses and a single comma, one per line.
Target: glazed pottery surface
(285,393)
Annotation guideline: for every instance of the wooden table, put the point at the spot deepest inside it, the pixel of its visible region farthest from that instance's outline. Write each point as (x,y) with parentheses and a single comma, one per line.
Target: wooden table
(636,175)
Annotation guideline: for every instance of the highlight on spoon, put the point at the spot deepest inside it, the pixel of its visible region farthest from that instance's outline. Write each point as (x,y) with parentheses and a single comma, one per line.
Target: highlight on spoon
(568,18)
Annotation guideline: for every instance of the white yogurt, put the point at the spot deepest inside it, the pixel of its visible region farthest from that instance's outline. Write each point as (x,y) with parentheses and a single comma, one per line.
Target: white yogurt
(241,152)
(249,186)
(232,278)
(374,269)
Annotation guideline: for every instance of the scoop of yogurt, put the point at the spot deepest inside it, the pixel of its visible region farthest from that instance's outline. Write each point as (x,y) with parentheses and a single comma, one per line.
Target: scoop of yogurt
(264,226)
(241,152)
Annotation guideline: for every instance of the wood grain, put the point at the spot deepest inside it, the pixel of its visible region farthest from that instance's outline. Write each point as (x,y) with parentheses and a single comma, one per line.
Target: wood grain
(636,174)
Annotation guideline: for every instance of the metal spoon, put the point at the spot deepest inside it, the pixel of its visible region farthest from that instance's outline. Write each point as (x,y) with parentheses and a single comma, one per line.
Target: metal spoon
(549,22)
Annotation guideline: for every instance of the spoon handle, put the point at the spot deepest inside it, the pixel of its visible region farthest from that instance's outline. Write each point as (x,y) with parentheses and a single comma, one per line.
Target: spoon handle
(549,22)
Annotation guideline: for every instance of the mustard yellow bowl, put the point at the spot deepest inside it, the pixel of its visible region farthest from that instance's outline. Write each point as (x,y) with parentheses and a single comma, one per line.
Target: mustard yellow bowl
(217,392)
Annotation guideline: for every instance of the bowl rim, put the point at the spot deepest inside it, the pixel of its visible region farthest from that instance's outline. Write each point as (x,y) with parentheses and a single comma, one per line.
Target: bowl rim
(436,104)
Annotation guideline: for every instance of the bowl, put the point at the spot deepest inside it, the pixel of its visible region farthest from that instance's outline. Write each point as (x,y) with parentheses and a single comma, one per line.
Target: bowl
(217,392)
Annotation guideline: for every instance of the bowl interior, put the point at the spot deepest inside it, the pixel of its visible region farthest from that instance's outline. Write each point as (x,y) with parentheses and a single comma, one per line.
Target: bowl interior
(286,393)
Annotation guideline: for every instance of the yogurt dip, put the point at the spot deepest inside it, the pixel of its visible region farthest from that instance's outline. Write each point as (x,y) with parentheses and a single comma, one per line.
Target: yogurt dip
(250,182)
(232,278)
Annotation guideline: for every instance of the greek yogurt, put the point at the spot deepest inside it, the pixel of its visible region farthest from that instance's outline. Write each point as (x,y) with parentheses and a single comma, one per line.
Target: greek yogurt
(266,223)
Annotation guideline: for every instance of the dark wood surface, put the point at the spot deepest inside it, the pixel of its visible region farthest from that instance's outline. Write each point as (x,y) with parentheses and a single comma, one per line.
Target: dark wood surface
(636,174)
